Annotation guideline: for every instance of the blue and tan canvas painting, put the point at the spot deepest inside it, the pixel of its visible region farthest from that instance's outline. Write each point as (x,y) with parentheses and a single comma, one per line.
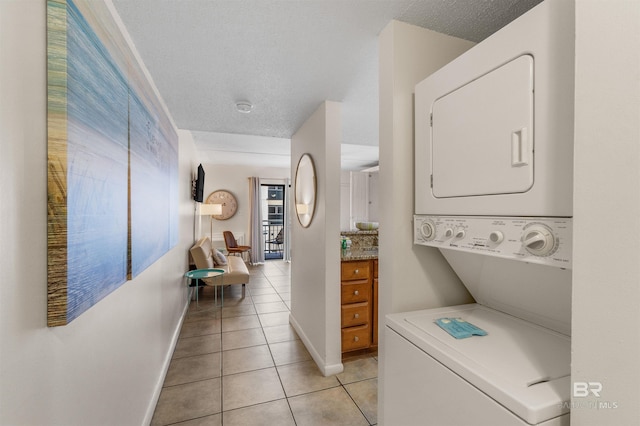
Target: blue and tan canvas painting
(112,159)
(152,172)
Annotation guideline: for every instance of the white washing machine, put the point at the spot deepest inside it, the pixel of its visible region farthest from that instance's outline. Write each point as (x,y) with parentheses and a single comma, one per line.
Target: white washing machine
(518,374)
(518,270)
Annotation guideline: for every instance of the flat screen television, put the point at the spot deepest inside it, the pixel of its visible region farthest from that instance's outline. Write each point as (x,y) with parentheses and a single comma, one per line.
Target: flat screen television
(198,189)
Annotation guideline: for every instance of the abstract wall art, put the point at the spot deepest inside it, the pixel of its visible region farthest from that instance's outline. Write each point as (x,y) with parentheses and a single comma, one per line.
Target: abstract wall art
(112,161)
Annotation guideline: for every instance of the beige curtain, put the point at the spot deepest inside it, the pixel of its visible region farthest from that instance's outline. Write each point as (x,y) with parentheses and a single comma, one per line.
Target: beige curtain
(287,222)
(255,222)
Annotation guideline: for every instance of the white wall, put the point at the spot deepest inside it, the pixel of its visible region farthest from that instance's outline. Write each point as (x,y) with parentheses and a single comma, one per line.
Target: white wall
(106,366)
(345,200)
(315,266)
(606,258)
(411,277)
(236,180)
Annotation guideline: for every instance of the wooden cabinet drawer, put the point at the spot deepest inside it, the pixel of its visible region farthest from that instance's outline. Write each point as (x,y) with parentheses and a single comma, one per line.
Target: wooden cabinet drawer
(355,291)
(355,314)
(354,338)
(357,270)
(374,309)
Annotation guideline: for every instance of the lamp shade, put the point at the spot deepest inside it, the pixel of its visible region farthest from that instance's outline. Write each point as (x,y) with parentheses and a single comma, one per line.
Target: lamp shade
(210,209)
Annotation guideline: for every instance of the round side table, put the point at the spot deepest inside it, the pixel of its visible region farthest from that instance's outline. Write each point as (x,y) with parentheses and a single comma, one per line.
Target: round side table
(198,274)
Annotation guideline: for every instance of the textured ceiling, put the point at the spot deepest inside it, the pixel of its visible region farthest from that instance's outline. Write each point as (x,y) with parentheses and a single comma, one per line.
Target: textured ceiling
(285,57)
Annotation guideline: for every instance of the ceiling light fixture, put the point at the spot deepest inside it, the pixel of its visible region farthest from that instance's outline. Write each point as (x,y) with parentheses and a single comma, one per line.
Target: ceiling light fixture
(244,107)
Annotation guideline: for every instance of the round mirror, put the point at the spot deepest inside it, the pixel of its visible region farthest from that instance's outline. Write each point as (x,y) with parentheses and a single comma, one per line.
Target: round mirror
(305,195)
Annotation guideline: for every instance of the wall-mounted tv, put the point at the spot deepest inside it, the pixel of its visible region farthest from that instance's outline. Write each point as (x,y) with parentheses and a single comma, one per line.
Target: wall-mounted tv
(198,187)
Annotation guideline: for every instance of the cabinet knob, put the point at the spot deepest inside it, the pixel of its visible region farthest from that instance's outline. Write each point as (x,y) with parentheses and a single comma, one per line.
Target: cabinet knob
(356,292)
(356,316)
(356,272)
(356,338)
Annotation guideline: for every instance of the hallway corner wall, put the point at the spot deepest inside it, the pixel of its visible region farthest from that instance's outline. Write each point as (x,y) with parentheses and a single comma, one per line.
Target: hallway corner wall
(315,265)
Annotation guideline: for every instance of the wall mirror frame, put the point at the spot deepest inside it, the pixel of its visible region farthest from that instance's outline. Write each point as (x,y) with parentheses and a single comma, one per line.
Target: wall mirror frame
(305,190)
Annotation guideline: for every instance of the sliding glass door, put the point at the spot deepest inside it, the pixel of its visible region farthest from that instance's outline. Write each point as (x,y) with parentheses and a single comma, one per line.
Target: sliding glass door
(273,222)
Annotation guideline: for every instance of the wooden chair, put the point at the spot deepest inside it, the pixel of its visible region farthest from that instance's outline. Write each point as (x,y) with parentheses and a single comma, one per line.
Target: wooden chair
(233,247)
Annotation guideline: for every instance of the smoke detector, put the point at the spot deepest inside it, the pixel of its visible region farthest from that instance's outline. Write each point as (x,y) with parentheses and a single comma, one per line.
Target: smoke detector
(244,107)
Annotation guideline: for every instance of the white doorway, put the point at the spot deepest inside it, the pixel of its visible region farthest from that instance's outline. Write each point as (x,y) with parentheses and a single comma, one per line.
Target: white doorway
(273,204)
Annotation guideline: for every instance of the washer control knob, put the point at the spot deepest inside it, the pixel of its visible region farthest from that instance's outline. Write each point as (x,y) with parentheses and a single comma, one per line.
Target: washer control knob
(448,233)
(539,240)
(460,233)
(428,230)
(496,237)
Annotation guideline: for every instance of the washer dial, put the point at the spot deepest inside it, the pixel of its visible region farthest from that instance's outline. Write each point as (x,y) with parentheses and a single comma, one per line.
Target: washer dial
(427,230)
(538,239)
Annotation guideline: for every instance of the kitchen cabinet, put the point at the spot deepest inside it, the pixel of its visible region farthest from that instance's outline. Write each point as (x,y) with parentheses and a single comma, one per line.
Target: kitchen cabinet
(359,310)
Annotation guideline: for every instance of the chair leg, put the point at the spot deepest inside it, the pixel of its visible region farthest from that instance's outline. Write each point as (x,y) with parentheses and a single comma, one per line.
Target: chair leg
(243,288)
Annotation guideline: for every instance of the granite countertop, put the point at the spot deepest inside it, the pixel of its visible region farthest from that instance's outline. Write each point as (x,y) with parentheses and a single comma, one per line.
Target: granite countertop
(350,233)
(359,254)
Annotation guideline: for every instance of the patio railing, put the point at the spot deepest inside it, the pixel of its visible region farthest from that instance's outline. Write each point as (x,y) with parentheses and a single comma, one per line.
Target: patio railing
(272,234)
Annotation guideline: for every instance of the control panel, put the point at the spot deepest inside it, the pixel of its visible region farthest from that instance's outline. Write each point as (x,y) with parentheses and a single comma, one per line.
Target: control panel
(545,241)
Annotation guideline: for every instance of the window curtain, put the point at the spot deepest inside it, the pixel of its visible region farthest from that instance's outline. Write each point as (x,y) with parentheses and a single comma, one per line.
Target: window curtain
(255,222)
(286,256)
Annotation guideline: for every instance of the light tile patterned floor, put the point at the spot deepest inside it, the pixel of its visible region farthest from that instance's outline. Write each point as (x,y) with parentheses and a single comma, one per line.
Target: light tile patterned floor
(244,365)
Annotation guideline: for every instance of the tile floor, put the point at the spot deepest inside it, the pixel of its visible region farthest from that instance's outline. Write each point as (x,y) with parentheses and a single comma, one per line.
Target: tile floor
(245,365)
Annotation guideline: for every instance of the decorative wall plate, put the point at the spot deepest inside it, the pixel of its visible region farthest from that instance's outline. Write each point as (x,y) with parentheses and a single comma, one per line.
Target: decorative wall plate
(228,201)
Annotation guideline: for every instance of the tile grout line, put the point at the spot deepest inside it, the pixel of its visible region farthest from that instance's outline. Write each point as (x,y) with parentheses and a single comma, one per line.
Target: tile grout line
(222,410)
(221,367)
(286,398)
(355,403)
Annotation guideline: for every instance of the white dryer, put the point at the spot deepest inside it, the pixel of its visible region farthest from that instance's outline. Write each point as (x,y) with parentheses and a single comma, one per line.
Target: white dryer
(494,127)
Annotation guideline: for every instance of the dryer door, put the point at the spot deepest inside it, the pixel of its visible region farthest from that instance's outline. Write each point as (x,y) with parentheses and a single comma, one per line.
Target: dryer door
(482,134)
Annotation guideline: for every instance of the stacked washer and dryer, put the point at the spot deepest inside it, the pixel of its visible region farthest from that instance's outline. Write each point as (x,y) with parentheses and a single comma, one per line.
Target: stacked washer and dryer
(493,182)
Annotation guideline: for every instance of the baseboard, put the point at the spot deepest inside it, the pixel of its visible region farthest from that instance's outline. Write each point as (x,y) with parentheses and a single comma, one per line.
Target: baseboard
(325,369)
(167,360)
